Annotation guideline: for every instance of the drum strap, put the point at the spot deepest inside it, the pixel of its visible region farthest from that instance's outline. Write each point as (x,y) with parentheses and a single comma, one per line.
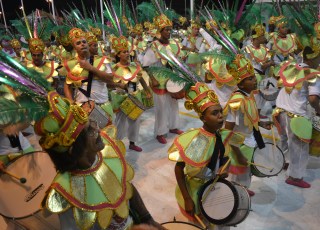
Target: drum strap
(87,92)
(256,133)
(217,152)
(14,141)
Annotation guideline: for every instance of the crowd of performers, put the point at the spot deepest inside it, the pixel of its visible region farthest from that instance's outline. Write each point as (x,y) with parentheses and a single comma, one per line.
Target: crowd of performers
(80,87)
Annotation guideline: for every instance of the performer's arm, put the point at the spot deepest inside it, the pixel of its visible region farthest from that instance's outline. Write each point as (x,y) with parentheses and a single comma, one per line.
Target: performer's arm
(67,89)
(102,75)
(181,180)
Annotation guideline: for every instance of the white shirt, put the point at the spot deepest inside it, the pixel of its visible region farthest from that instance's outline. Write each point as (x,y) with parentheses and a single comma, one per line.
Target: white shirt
(5,145)
(296,101)
(237,117)
(223,93)
(99,90)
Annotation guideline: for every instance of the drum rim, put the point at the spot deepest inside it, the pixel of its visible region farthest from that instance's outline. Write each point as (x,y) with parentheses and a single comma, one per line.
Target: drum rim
(234,209)
(181,222)
(256,169)
(14,160)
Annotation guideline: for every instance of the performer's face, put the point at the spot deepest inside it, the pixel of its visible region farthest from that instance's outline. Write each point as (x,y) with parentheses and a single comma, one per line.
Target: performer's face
(283,29)
(81,46)
(93,48)
(262,39)
(212,118)
(248,84)
(93,144)
(124,55)
(166,32)
(37,59)
(195,31)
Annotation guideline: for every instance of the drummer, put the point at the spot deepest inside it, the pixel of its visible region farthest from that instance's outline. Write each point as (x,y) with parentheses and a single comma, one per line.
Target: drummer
(82,69)
(166,107)
(291,110)
(93,188)
(260,58)
(200,152)
(128,74)
(246,121)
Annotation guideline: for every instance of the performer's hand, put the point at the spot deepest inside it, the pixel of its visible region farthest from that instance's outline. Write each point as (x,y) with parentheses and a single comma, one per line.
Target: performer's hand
(242,160)
(154,82)
(189,206)
(86,65)
(266,124)
(2,166)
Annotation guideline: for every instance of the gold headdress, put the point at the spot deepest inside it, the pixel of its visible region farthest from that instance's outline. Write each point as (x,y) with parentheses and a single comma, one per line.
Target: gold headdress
(63,124)
(76,33)
(200,97)
(119,43)
(240,68)
(36,45)
(162,21)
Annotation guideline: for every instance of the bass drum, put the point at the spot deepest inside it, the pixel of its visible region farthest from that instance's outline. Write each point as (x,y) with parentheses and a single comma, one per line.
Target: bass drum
(21,203)
(180,225)
(227,203)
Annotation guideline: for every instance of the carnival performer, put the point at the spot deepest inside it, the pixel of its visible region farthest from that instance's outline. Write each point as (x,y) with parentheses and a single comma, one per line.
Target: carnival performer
(129,74)
(300,84)
(242,116)
(283,44)
(166,107)
(261,59)
(197,163)
(87,76)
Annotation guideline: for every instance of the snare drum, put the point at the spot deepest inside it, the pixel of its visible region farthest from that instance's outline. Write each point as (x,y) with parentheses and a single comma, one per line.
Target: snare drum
(21,203)
(176,90)
(270,156)
(179,225)
(132,107)
(228,203)
(96,113)
(268,89)
(147,102)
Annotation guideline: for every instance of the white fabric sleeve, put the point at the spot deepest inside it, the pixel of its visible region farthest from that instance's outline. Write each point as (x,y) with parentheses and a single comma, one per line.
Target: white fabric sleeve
(108,68)
(232,116)
(314,88)
(185,42)
(149,58)
(210,40)
(24,142)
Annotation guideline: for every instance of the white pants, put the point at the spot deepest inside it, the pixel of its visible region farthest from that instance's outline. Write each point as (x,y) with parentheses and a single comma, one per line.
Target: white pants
(298,150)
(166,111)
(127,127)
(243,179)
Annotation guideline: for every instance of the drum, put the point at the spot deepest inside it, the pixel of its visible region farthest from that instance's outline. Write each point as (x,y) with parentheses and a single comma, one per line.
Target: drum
(96,113)
(132,107)
(228,203)
(179,225)
(271,157)
(21,203)
(268,89)
(176,90)
(116,99)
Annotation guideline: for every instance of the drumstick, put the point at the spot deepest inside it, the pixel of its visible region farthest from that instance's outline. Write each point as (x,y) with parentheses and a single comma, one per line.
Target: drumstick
(262,166)
(215,181)
(22,179)
(200,221)
(274,143)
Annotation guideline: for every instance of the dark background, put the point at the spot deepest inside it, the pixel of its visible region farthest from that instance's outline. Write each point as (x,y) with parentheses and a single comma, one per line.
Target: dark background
(11,7)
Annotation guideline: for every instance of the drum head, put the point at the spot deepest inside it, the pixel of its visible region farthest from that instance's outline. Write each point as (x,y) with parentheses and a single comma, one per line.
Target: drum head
(22,200)
(173,87)
(179,225)
(221,204)
(272,157)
